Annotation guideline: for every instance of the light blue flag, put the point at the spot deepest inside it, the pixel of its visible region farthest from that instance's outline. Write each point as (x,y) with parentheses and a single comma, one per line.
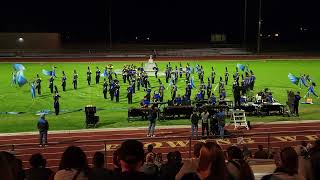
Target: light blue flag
(18,67)
(21,79)
(241,67)
(46,72)
(33,91)
(294,79)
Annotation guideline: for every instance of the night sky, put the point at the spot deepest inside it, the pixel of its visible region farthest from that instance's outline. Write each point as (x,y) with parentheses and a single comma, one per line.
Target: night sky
(162,20)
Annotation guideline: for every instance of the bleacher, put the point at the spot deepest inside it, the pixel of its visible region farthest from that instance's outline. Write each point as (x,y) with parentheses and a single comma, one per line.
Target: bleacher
(182,144)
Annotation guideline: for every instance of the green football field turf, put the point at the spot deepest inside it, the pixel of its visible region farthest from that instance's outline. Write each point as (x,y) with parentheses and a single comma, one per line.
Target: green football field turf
(269,74)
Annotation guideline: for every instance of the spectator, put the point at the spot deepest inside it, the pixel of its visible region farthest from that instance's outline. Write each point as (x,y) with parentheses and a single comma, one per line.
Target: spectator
(276,158)
(260,154)
(212,163)
(21,173)
(194,123)
(237,167)
(169,170)
(247,154)
(288,169)
(304,162)
(150,150)
(220,116)
(296,104)
(149,167)
(99,172)
(73,165)
(178,161)
(43,127)
(6,170)
(205,122)
(38,170)
(152,116)
(271,153)
(315,159)
(304,144)
(10,167)
(158,160)
(131,156)
(191,165)
(116,162)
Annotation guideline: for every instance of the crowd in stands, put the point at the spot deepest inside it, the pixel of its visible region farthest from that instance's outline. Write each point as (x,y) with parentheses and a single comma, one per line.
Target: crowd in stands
(131,162)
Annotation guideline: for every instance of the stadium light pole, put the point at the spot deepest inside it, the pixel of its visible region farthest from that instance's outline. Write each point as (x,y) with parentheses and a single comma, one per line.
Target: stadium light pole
(110,28)
(19,43)
(245,24)
(259,29)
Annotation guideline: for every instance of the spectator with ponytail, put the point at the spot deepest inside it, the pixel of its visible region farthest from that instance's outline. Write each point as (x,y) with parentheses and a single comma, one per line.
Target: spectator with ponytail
(288,169)
(237,167)
(212,163)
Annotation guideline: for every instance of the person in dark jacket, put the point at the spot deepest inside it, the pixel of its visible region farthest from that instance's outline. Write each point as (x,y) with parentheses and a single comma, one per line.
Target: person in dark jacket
(170,169)
(152,116)
(296,103)
(236,95)
(131,155)
(43,127)
(99,172)
(260,154)
(221,118)
(63,81)
(89,76)
(105,88)
(75,79)
(38,84)
(288,166)
(56,103)
(194,123)
(51,84)
(98,72)
(38,168)
(237,167)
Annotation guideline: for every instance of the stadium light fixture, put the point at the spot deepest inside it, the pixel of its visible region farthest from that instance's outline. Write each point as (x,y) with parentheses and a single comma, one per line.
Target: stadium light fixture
(20,40)
(19,45)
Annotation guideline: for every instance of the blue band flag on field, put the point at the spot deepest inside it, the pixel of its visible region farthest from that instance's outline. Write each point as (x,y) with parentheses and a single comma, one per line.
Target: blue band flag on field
(105,73)
(17,76)
(192,82)
(18,67)
(294,79)
(21,79)
(33,91)
(46,72)
(241,67)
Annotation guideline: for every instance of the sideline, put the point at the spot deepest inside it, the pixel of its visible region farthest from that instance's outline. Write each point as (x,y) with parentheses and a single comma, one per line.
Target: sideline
(144,128)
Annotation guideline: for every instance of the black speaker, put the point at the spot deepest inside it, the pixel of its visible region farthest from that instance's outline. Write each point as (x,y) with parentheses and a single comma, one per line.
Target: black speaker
(91,119)
(90,110)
